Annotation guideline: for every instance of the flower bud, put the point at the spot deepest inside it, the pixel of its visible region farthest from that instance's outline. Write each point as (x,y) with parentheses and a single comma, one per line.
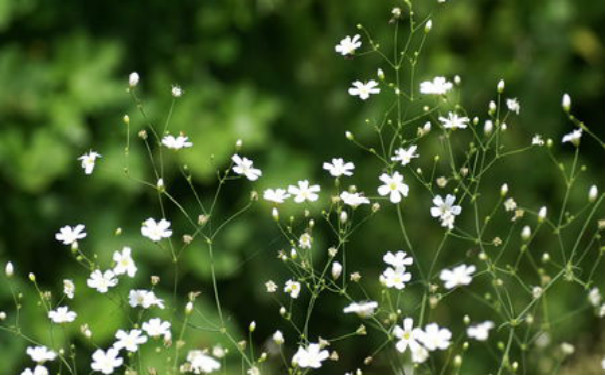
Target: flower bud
(349,135)
(126,119)
(133,79)
(542,214)
(275,214)
(504,189)
(488,127)
(336,270)
(491,108)
(566,103)
(501,86)
(9,270)
(380,74)
(189,308)
(428,26)
(592,193)
(278,338)
(32,277)
(2,315)
(526,233)
(252,326)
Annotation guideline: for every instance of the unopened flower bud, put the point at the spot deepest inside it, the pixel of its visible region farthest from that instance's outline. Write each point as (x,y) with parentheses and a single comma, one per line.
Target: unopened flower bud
(545,258)
(536,292)
(504,189)
(126,119)
(501,86)
(458,360)
(592,193)
(238,144)
(467,319)
(9,270)
(380,74)
(32,277)
(491,107)
(542,214)
(349,135)
(526,233)
(252,326)
(343,217)
(457,80)
(2,315)
(428,26)
(133,79)
(189,308)
(336,270)
(488,127)
(275,214)
(278,338)
(155,280)
(566,103)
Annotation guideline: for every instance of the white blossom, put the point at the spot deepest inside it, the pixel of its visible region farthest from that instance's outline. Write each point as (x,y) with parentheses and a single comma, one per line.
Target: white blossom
(405,155)
(480,331)
(461,275)
(304,192)
(363,309)
(244,166)
(129,340)
(364,90)
(348,45)
(292,287)
(88,161)
(446,210)
(124,262)
(276,196)
(339,167)
(106,361)
(452,121)
(69,235)
(40,354)
(155,231)
(176,143)
(62,315)
(393,186)
(439,85)
(311,356)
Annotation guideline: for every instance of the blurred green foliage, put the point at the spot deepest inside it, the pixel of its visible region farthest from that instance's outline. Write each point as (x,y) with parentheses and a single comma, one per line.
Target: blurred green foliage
(264,71)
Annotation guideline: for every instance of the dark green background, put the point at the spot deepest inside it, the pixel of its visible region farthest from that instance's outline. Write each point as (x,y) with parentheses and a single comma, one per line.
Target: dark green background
(266,72)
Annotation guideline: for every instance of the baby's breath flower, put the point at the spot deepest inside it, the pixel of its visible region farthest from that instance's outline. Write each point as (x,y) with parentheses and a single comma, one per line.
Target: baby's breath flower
(124,262)
(176,91)
(9,270)
(156,327)
(62,315)
(133,79)
(275,196)
(445,210)
(70,235)
(458,276)
(244,166)
(405,155)
(480,331)
(311,356)
(88,161)
(501,86)
(363,309)
(566,103)
(40,354)
(348,45)
(176,143)
(393,186)
(278,338)
(573,137)
(271,286)
(353,199)
(304,192)
(364,90)
(155,231)
(513,105)
(439,85)
(526,233)
(292,287)
(201,362)
(106,361)
(452,121)
(339,167)
(102,281)
(129,340)
(305,241)
(592,193)
(537,140)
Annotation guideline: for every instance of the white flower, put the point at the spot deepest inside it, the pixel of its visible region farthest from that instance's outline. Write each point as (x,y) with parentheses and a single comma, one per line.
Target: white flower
(364,90)
(510,205)
(393,186)
(102,281)
(69,288)
(480,331)
(292,287)
(405,155)
(452,121)
(133,79)
(409,337)
(312,356)
(336,270)
(88,161)
(129,340)
(594,297)
(156,327)
(445,210)
(304,192)
(305,241)
(244,167)
(353,199)
(338,167)
(537,140)
(436,338)
(124,262)
(38,370)
(106,362)
(461,275)
(398,260)
(70,235)
(40,354)
(439,86)
(573,137)
(278,338)
(176,91)
(276,196)
(363,309)
(271,286)
(62,315)
(347,46)
(395,278)
(177,143)
(144,298)
(202,363)
(155,231)
(513,105)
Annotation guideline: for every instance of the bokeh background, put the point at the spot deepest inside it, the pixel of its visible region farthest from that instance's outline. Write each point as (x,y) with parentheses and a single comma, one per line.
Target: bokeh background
(263,71)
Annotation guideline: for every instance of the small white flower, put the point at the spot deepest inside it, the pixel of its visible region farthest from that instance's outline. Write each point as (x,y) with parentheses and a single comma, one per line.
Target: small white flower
(405,155)
(69,288)
(364,90)
(129,340)
(594,297)
(305,241)
(461,275)
(62,315)
(176,91)
(40,354)
(537,140)
(69,235)
(480,331)
(452,121)
(446,211)
(156,327)
(292,287)
(124,262)
(88,161)
(102,281)
(155,231)
(364,309)
(278,338)
(398,260)
(133,79)
(106,361)
(510,205)
(304,192)
(312,356)
(573,137)
(271,286)
(276,196)
(436,338)
(202,363)
(38,370)
(144,298)
(536,292)
(513,105)
(409,337)
(393,186)
(177,143)
(353,199)
(439,86)
(339,167)
(348,45)
(243,166)
(395,278)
